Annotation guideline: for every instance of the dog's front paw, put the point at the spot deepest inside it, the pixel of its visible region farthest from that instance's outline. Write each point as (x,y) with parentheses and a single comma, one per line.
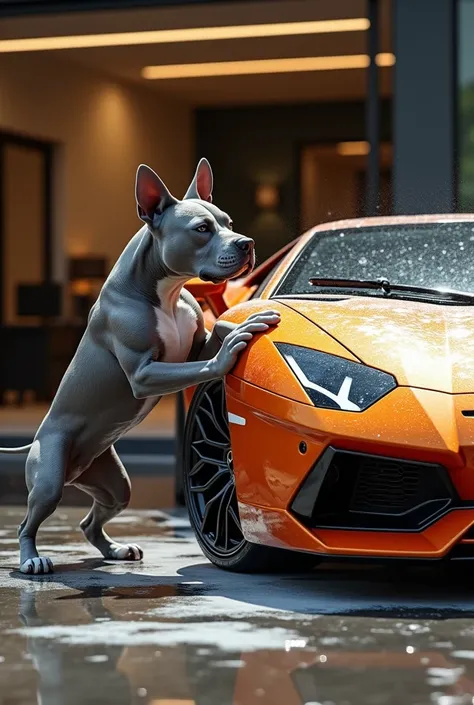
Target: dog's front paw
(239,337)
(125,552)
(37,566)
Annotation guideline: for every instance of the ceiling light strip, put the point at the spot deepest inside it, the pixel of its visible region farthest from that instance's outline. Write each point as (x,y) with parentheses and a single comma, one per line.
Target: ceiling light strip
(191,34)
(264,66)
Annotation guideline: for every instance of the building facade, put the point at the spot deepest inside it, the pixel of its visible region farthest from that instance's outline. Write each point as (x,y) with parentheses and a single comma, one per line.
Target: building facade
(331,108)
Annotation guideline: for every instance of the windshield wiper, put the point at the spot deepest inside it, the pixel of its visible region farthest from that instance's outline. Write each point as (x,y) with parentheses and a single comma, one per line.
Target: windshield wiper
(384,286)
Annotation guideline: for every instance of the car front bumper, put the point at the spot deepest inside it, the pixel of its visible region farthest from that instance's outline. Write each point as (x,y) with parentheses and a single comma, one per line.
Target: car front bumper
(277,444)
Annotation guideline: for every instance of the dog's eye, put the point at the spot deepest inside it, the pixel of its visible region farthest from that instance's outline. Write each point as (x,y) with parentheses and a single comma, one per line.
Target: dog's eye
(202,228)
(231,225)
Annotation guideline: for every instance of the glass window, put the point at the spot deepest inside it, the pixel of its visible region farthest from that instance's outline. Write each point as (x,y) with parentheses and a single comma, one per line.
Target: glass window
(431,256)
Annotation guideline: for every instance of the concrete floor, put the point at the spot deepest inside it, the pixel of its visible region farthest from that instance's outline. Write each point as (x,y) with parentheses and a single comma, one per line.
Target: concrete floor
(176,631)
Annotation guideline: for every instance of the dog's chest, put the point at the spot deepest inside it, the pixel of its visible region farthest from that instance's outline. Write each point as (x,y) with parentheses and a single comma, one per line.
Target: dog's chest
(176,331)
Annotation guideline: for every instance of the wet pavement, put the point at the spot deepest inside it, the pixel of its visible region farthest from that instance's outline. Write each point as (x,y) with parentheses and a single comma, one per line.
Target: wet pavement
(176,631)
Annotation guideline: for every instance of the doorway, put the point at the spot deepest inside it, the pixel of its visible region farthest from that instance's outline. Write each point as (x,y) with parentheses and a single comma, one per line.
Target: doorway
(333,178)
(26,255)
(26,187)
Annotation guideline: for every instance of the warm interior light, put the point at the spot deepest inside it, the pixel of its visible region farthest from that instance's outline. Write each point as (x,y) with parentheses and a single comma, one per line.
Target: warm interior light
(264,66)
(353,148)
(267,196)
(385,59)
(81,287)
(191,34)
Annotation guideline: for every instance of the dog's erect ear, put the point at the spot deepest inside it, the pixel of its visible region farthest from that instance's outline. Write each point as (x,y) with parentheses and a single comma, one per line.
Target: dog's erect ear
(201,185)
(151,194)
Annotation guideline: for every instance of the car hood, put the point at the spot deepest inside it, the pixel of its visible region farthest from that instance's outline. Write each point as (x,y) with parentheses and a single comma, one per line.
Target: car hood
(423,345)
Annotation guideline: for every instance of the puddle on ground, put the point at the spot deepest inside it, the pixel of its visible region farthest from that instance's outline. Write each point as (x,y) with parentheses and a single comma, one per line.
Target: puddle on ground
(132,645)
(175,631)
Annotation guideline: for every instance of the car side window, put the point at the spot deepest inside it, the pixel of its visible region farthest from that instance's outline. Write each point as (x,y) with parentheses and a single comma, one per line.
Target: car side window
(264,282)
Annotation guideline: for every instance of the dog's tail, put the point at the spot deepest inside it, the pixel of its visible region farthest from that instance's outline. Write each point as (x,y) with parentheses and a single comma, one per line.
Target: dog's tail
(19,449)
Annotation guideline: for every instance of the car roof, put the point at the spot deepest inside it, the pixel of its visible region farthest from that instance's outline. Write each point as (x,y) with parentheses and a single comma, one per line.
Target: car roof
(372,221)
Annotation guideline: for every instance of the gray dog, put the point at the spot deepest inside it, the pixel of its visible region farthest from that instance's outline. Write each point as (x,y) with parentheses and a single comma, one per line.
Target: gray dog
(145,337)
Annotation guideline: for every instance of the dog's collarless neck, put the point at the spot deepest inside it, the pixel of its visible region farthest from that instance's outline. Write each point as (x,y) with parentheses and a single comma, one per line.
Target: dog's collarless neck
(148,269)
(168,291)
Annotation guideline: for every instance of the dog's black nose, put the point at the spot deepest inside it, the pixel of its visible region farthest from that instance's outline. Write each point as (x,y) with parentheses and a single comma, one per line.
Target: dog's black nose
(245,243)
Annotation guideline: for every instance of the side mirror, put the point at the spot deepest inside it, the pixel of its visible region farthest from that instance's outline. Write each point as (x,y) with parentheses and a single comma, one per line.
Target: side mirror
(211,294)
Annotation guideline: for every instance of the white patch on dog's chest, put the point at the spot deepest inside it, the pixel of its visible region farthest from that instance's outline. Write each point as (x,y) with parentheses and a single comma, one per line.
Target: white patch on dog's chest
(176,330)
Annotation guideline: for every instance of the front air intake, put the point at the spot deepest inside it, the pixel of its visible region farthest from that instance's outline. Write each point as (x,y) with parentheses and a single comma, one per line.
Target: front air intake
(348,490)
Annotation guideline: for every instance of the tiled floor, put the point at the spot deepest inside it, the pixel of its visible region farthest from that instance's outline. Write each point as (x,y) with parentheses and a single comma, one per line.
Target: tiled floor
(23,421)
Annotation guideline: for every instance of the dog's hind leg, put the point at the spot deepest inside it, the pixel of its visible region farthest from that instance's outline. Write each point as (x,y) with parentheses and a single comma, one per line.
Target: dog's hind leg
(45,473)
(107,481)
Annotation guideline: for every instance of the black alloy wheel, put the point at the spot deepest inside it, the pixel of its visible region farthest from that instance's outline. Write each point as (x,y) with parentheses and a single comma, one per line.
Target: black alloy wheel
(210,492)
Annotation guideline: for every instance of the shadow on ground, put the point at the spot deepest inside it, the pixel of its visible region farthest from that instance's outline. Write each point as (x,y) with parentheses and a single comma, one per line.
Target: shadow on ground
(434,592)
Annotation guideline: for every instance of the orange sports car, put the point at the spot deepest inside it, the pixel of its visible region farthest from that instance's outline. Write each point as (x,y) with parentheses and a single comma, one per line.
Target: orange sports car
(347,430)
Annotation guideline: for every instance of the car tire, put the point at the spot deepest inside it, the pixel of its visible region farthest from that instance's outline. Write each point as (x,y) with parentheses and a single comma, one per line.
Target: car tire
(209,492)
(178,450)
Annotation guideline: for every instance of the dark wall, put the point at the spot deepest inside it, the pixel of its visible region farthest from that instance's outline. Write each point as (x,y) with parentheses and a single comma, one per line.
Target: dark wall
(247,145)
(425,80)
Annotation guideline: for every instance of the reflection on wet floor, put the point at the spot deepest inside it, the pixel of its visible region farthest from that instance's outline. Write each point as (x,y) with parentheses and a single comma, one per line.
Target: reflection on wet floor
(175,631)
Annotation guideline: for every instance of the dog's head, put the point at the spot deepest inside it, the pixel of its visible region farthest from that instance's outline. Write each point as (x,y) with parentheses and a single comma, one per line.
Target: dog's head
(195,237)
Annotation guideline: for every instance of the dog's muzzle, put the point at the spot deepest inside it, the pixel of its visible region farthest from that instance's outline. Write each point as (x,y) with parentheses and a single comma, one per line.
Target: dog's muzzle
(239,257)
(233,264)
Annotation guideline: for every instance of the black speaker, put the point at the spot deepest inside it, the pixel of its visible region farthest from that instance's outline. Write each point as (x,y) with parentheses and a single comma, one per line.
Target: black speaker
(43,300)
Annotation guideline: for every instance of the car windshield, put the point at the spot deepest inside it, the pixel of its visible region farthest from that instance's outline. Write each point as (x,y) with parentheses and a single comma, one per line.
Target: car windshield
(435,255)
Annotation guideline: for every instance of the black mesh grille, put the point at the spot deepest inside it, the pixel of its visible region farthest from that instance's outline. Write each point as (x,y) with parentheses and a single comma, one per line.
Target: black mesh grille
(385,486)
(358,491)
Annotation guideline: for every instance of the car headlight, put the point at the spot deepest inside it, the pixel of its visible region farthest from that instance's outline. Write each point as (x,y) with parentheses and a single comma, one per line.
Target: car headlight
(332,382)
